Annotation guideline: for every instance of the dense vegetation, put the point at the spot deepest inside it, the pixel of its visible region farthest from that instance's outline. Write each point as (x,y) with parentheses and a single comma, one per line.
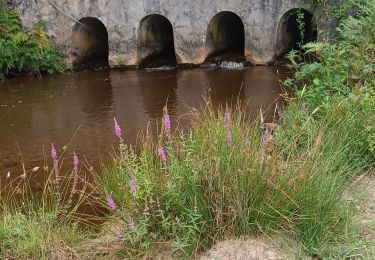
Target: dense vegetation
(22,51)
(227,177)
(344,71)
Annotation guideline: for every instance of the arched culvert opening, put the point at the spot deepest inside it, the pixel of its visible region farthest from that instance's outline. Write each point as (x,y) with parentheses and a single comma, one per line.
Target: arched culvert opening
(156,42)
(225,37)
(90,43)
(296,28)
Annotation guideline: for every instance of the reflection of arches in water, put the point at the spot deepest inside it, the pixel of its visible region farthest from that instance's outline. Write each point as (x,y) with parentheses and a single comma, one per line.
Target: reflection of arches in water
(90,43)
(225,37)
(296,27)
(157,88)
(95,95)
(156,42)
(226,87)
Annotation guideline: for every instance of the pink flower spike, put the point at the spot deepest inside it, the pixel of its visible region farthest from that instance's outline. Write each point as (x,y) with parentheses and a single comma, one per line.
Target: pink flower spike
(227,120)
(131,225)
(118,233)
(227,124)
(229,138)
(75,161)
(162,155)
(53,153)
(117,129)
(132,186)
(146,211)
(111,202)
(167,124)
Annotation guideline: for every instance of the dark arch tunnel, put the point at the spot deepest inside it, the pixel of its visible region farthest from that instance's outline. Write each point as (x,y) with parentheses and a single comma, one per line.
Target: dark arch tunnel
(156,42)
(296,28)
(225,37)
(90,44)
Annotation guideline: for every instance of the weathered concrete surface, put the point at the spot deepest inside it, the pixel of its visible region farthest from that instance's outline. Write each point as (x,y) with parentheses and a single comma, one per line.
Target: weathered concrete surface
(189,18)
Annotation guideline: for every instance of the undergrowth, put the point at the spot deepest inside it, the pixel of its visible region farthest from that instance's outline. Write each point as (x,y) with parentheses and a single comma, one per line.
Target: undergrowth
(228,177)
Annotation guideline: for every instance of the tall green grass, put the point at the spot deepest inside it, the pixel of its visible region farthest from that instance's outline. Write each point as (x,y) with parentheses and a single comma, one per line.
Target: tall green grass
(210,189)
(46,221)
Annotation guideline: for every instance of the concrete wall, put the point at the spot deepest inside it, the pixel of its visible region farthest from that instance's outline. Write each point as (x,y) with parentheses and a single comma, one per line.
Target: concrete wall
(189,18)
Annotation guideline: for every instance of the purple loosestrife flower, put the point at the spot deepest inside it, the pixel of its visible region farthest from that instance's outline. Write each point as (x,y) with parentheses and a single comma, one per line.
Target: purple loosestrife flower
(110,201)
(75,161)
(167,124)
(57,178)
(54,157)
(53,153)
(162,155)
(131,225)
(267,135)
(146,211)
(227,120)
(118,233)
(227,126)
(229,138)
(75,164)
(132,186)
(265,140)
(117,129)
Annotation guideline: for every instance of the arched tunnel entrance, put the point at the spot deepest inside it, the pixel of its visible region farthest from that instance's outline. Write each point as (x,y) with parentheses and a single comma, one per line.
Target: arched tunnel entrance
(296,28)
(225,37)
(156,42)
(90,43)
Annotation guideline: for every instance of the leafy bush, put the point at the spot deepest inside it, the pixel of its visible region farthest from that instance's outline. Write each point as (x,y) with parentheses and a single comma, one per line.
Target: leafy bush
(22,51)
(344,67)
(343,70)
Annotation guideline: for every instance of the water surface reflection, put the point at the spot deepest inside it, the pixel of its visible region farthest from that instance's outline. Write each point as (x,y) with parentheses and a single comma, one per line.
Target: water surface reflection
(77,109)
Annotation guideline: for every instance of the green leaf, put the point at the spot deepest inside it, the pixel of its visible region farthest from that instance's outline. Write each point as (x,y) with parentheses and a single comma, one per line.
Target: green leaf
(316,81)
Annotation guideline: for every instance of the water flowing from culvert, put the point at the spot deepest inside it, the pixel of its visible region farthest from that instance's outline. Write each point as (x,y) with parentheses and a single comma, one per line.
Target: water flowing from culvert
(232,65)
(77,109)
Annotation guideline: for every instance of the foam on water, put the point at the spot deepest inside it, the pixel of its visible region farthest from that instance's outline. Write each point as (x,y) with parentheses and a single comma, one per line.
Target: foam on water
(162,68)
(231,65)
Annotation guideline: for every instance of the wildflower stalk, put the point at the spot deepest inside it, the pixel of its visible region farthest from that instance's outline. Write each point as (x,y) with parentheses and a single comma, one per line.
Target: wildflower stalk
(162,156)
(227,126)
(75,180)
(167,124)
(132,186)
(57,178)
(111,203)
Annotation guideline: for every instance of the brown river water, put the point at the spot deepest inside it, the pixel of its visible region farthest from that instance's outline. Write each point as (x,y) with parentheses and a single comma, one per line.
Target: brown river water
(77,109)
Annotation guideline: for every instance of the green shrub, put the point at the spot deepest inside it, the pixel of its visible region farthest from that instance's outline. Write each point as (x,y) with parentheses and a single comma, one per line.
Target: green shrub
(343,70)
(22,51)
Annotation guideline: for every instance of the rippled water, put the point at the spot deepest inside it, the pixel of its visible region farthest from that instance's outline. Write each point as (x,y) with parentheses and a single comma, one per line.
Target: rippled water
(77,109)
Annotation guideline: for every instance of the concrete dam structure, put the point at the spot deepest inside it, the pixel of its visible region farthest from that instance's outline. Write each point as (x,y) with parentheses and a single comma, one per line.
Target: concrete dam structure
(159,32)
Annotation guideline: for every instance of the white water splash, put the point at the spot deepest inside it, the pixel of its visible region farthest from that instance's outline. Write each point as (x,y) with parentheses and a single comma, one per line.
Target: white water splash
(163,68)
(231,65)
